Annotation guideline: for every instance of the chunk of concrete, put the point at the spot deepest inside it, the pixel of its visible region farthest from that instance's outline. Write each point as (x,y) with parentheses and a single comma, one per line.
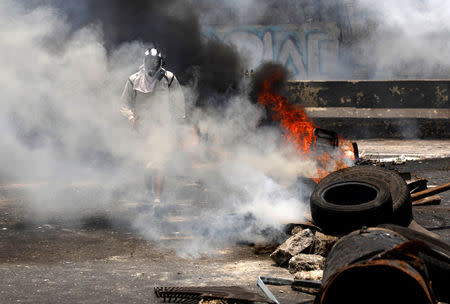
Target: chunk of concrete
(306,262)
(293,246)
(296,230)
(304,225)
(323,243)
(311,275)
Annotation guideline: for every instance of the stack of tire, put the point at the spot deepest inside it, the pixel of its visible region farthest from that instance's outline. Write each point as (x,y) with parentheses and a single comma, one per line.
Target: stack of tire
(359,196)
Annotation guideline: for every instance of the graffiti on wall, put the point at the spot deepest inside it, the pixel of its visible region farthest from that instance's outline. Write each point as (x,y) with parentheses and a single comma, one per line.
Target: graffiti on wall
(306,53)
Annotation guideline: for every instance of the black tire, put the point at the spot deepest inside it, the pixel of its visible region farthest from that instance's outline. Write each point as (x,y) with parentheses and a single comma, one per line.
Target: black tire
(348,204)
(401,198)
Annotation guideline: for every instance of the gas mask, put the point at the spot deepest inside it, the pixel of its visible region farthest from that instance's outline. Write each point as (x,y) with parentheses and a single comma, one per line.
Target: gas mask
(152,61)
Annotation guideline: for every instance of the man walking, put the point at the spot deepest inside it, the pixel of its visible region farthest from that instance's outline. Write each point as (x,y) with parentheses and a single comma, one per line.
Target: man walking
(153,102)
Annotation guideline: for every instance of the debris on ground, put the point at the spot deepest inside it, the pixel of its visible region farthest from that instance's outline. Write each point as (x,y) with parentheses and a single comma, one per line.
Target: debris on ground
(306,262)
(353,262)
(306,286)
(430,200)
(417,185)
(430,192)
(294,245)
(312,275)
(209,294)
(264,247)
(323,243)
(304,254)
(261,283)
(389,264)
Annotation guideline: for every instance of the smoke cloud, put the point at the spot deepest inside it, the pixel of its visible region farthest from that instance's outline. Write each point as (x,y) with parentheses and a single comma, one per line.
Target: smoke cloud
(62,132)
(65,63)
(401,39)
(173,26)
(404,39)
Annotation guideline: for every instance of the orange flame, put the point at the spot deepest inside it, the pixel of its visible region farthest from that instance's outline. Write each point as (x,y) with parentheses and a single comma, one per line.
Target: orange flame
(340,160)
(300,129)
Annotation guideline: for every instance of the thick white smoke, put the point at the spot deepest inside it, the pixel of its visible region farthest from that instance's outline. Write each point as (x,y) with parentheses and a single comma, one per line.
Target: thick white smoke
(404,38)
(61,125)
(59,102)
(384,39)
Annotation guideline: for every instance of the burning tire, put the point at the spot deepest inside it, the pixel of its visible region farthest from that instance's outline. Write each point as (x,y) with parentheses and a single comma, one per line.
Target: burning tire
(348,204)
(401,198)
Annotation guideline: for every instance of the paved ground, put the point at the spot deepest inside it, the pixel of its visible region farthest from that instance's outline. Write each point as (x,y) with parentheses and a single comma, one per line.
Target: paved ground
(429,159)
(95,261)
(385,113)
(412,149)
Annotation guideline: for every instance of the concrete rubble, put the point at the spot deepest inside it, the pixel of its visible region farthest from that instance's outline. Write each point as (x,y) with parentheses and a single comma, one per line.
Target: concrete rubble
(323,243)
(304,253)
(306,262)
(298,243)
(313,275)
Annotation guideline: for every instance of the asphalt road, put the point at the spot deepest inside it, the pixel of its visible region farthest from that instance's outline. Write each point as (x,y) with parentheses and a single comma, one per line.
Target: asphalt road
(99,261)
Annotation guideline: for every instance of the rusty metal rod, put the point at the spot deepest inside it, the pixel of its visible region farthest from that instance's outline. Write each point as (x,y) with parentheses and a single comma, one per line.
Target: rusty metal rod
(430,200)
(429,192)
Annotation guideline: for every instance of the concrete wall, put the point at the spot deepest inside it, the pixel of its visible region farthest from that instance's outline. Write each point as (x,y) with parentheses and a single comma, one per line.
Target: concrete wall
(377,109)
(371,94)
(324,40)
(334,39)
(308,51)
(311,38)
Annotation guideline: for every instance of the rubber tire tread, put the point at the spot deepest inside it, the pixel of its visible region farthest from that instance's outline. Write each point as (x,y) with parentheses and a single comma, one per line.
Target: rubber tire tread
(401,197)
(337,218)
